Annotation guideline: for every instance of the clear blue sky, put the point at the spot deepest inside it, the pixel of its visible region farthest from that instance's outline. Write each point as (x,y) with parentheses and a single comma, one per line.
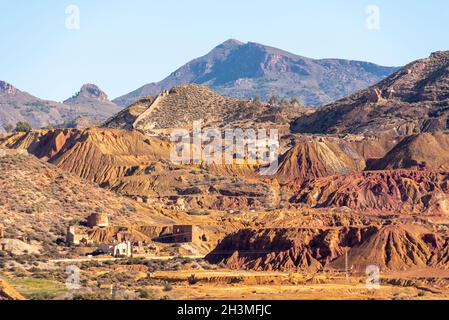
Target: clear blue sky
(122,45)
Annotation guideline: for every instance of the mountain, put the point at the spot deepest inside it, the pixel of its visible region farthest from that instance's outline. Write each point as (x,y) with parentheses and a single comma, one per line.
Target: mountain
(93,103)
(16,105)
(244,70)
(412,100)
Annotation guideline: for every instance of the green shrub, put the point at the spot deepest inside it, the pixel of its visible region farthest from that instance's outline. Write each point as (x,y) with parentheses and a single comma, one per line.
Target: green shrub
(168,286)
(23,126)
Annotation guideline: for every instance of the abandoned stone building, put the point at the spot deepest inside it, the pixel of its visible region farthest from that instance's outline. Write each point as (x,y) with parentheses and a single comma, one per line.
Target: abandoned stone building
(186,233)
(76,236)
(98,220)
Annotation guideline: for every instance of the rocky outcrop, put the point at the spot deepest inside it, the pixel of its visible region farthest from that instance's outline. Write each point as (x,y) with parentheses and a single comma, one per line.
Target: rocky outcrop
(90,103)
(88,92)
(7,89)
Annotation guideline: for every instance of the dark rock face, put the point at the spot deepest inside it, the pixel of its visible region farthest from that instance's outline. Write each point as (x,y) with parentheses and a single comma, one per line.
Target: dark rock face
(244,70)
(6,88)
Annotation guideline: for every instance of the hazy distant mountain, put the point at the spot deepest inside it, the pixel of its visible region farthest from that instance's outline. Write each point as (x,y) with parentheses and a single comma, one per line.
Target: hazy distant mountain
(244,70)
(16,105)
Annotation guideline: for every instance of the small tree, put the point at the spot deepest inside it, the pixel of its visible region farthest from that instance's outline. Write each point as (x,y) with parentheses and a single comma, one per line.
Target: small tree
(295,101)
(256,99)
(8,127)
(23,126)
(273,100)
(192,279)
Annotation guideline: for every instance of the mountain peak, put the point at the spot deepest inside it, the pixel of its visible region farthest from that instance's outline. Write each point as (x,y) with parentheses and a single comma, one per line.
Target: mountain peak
(7,88)
(93,91)
(231,43)
(88,91)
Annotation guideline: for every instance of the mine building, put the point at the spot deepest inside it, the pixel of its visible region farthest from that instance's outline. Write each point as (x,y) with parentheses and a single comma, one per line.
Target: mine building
(75,236)
(98,220)
(185,233)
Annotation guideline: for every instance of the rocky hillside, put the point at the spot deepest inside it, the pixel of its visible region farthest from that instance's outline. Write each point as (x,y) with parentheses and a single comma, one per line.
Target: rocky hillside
(244,70)
(90,103)
(412,100)
(182,105)
(16,105)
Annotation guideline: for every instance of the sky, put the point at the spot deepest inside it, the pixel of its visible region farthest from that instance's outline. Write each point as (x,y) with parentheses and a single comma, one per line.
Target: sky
(121,45)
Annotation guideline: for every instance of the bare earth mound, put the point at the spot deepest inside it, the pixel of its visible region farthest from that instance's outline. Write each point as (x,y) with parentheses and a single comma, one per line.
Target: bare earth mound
(422,150)
(397,191)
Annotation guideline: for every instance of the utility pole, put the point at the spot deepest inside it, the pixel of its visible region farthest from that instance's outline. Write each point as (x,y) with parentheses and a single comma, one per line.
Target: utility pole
(346,264)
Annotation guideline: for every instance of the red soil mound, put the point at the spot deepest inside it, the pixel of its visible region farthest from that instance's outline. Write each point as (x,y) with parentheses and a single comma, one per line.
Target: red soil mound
(397,191)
